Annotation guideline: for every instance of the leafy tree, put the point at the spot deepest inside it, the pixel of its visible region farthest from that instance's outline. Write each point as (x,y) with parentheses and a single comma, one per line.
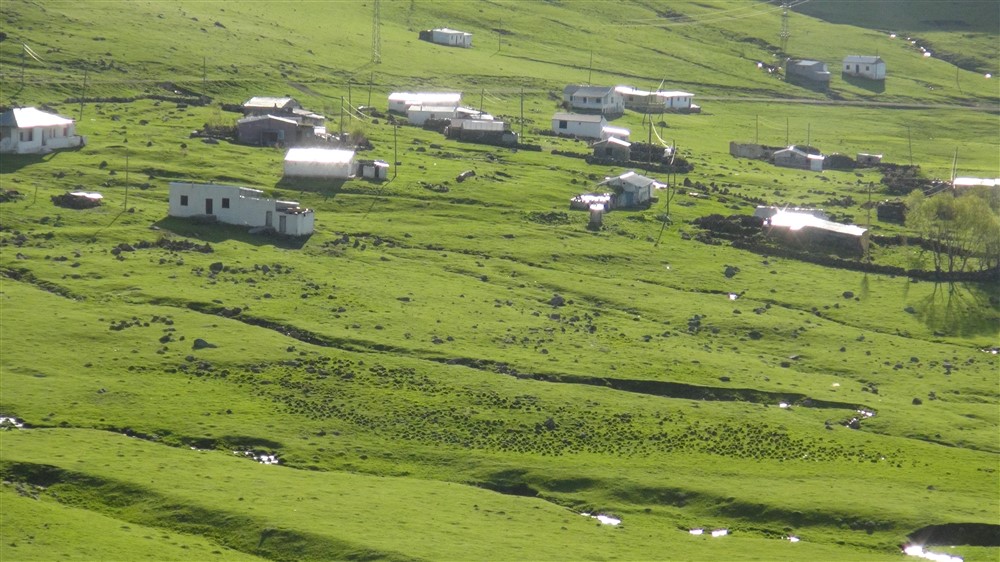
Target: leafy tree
(961,229)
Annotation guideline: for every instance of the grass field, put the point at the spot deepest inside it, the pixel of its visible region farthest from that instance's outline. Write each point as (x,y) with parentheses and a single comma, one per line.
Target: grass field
(453,371)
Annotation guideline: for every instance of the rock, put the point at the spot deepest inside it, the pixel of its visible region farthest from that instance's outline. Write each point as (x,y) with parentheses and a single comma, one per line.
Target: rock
(216,267)
(731,271)
(848,295)
(202,344)
(557,300)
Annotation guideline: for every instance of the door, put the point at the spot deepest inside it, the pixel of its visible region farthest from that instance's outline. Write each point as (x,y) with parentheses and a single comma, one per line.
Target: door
(281,224)
(267,218)
(208,206)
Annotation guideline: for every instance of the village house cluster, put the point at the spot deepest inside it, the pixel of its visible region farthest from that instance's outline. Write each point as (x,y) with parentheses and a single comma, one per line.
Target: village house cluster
(817,74)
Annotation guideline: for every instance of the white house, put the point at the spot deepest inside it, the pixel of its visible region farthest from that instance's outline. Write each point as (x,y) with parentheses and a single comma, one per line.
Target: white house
(27,130)
(794,157)
(419,114)
(595,99)
(399,101)
(578,124)
(869,67)
(658,101)
(451,37)
(242,206)
(326,163)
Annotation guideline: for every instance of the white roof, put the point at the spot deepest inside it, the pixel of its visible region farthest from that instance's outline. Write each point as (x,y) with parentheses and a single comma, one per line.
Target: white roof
(971,182)
(267,101)
(618,141)
(320,155)
(629,90)
(581,117)
(451,31)
(33,117)
(796,221)
(674,94)
(615,131)
(419,98)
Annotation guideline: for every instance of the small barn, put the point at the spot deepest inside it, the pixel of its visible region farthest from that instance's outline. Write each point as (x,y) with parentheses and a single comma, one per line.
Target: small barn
(27,130)
(865,160)
(809,232)
(631,190)
(812,71)
(619,133)
(605,100)
(614,149)
(270,130)
(870,67)
(794,157)
(241,206)
(449,37)
(325,163)
(579,125)
(399,101)
(481,131)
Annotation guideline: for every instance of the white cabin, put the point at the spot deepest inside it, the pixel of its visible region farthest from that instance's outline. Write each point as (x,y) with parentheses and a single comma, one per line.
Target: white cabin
(579,125)
(27,130)
(324,163)
(241,206)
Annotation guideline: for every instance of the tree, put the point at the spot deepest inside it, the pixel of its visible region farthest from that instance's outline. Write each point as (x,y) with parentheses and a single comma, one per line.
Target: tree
(961,229)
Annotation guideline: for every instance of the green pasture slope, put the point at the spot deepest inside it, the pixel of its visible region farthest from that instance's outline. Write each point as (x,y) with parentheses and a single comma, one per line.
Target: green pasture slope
(458,371)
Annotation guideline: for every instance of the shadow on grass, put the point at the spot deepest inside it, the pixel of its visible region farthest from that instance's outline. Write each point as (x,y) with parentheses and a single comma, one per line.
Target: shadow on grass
(874,86)
(960,309)
(11,163)
(219,232)
(328,188)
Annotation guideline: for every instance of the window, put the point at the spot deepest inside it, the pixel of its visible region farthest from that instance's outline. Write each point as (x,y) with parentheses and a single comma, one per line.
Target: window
(225,202)
(184,200)
(28,135)
(65,131)
(562,124)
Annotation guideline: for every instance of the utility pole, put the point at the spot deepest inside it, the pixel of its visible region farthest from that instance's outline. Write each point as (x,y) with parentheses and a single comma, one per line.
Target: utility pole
(371,79)
(341,116)
(376,35)
(808,134)
(482,93)
(125,206)
(785,34)
(522,114)
(590,70)
(24,49)
(395,152)
(499,34)
(204,74)
(84,94)
(786,132)
(909,141)
(349,104)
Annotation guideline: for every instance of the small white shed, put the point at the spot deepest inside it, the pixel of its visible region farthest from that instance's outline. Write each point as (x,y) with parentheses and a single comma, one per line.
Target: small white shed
(241,206)
(870,67)
(451,37)
(329,163)
(579,124)
(419,114)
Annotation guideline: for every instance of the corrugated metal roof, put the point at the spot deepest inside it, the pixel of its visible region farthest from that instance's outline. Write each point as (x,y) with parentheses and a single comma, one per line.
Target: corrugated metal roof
(450,31)
(254,118)
(592,91)
(863,59)
(798,221)
(674,94)
(25,117)
(581,117)
(320,155)
(268,102)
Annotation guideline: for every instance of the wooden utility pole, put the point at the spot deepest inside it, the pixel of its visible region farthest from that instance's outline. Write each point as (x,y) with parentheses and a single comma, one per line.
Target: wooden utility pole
(349,104)
(482,93)
(204,74)
(909,141)
(590,70)
(395,152)
(83,95)
(786,132)
(808,134)
(371,79)
(341,116)
(522,114)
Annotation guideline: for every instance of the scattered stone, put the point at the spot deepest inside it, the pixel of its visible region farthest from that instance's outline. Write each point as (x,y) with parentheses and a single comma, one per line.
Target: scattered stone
(202,344)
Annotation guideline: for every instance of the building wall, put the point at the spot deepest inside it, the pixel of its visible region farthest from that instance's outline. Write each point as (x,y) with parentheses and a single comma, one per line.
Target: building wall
(241,209)
(253,132)
(38,139)
(577,128)
(452,39)
(872,71)
(419,117)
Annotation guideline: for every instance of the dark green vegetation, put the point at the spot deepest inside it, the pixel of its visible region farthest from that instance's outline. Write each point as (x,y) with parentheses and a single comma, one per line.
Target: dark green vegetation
(457,370)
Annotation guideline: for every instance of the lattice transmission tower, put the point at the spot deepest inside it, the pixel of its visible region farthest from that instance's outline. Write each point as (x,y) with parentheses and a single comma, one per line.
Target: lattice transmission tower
(784,28)
(376,35)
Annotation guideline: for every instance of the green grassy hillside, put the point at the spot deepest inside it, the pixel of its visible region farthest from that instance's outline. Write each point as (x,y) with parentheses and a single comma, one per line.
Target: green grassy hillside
(460,370)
